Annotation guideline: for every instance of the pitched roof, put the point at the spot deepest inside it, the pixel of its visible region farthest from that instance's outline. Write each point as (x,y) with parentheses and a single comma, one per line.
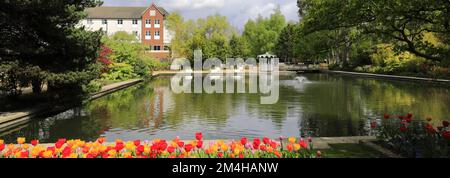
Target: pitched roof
(118,12)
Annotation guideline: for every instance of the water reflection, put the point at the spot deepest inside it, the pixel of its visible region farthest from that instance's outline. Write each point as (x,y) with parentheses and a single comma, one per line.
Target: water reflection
(316,104)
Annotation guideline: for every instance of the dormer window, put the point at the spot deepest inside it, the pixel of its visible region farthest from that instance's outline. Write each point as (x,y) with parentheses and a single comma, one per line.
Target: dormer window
(152,13)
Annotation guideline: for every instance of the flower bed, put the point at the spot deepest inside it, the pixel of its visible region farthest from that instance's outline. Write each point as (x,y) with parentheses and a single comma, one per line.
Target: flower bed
(265,148)
(413,138)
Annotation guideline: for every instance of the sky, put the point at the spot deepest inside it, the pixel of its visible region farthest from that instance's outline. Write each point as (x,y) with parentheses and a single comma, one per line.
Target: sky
(238,12)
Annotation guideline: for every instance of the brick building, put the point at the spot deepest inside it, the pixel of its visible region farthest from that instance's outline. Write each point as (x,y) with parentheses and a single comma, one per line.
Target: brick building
(146,23)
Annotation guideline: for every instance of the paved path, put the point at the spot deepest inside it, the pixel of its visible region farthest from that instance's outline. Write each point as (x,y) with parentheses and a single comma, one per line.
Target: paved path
(388,76)
(14,118)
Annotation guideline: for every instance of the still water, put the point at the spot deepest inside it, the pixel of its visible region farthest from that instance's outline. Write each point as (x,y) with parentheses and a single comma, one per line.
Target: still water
(309,105)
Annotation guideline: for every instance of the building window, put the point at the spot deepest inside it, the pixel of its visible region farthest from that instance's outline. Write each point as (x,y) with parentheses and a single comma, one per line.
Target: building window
(104,21)
(148,22)
(157,22)
(135,21)
(147,33)
(120,22)
(152,13)
(156,33)
(135,33)
(156,48)
(89,21)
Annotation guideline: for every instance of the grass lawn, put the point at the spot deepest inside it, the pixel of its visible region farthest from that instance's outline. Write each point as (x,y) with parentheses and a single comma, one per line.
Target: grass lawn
(351,151)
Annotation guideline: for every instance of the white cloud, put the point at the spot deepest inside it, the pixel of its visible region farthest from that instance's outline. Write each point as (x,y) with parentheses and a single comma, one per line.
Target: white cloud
(192,4)
(237,11)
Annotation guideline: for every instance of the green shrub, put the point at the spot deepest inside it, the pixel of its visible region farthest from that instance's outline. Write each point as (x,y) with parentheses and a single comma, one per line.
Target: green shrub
(119,72)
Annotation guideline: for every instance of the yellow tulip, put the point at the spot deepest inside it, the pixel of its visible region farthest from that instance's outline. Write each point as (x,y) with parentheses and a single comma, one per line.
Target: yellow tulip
(127,154)
(25,146)
(297,147)
(73,155)
(112,153)
(2,142)
(224,147)
(129,146)
(47,154)
(292,139)
(20,140)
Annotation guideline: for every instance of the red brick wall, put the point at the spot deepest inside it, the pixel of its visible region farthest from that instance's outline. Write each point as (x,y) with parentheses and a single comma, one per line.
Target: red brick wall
(159,16)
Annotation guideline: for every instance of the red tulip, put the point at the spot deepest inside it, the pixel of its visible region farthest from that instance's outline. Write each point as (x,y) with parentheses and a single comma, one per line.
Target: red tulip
(263,148)
(199,144)
(171,149)
(119,146)
(2,147)
(243,140)
(140,149)
(137,142)
(446,134)
(153,155)
(445,123)
(401,117)
(162,146)
(34,142)
(256,141)
(430,129)
(220,154)
(278,154)
(24,154)
(66,152)
(387,116)
(181,144)
(101,140)
(373,125)
(273,144)
(319,154)
(289,147)
(408,120)
(409,115)
(188,147)
(59,144)
(303,144)
(199,136)
(241,155)
(403,128)
(266,140)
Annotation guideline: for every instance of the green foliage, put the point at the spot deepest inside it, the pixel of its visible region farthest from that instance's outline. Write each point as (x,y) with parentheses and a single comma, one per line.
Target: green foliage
(239,47)
(217,38)
(414,138)
(120,72)
(43,36)
(262,34)
(128,57)
(285,47)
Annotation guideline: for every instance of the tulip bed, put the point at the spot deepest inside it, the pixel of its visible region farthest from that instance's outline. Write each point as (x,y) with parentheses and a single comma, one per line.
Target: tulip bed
(413,138)
(265,148)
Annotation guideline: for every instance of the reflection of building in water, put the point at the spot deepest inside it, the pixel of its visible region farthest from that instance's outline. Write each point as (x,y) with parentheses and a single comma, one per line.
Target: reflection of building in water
(156,107)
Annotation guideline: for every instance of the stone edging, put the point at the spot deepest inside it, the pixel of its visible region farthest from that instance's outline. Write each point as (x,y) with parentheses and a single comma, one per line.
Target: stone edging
(10,120)
(388,76)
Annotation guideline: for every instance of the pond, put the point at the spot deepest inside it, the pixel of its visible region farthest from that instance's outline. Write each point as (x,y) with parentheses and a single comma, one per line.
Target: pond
(325,105)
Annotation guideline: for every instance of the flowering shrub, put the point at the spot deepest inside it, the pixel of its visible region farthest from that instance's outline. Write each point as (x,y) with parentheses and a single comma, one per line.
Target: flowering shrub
(414,138)
(158,148)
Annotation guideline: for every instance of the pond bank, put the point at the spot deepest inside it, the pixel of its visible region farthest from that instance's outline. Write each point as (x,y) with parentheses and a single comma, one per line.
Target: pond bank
(11,119)
(395,77)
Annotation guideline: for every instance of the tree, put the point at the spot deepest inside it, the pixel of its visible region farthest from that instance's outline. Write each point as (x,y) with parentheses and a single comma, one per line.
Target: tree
(262,33)
(286,43)
(405,23)
(44,35)
(239,47)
